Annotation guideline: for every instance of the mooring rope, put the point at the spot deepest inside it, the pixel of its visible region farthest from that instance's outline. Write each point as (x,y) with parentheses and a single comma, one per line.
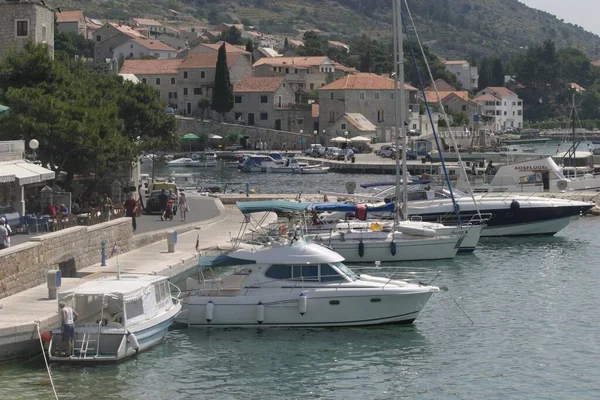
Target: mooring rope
(37,324)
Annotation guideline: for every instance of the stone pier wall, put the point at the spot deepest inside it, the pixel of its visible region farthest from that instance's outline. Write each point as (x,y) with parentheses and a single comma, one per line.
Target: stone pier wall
(25,266)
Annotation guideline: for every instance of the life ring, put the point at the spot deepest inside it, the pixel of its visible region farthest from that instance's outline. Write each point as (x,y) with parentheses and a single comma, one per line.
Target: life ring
(117,317)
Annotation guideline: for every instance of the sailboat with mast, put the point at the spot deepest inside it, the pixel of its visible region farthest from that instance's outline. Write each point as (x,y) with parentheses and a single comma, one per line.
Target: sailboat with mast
(408,240)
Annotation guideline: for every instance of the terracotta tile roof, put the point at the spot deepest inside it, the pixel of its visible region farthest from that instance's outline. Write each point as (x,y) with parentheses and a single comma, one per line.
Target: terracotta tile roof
(146,21)
(153,44)
(229,48)
(578,88)
(364,81)
(150,67)
(486,97)
(296,42)
(258,85)
(69,16)
(293,61)
(127,30)
(206,60)
(442,86)
(360,122)
(341,67)
(500,91)
(455,62)
(255,34)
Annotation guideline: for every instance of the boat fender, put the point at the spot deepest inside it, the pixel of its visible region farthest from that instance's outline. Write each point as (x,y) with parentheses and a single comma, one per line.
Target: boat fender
(133,341)
(393,248)
(361,249)
(514,205)
(210,310)
(302,304)
(260,312)
(562,184)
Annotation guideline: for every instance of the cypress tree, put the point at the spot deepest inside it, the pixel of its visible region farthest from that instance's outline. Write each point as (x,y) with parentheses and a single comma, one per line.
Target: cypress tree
(222,99)
(497,73)
(250,49)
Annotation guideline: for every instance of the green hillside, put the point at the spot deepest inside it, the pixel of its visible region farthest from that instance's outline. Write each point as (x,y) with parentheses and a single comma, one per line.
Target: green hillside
(451,28)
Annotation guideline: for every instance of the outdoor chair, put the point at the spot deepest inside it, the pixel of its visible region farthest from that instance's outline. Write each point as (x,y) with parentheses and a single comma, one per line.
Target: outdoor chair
(23,223)
(44,223)
(32,224)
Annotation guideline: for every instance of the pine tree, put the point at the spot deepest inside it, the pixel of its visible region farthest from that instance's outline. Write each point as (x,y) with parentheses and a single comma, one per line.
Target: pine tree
(222,100)
(286,44)
(250,49)
(366,61)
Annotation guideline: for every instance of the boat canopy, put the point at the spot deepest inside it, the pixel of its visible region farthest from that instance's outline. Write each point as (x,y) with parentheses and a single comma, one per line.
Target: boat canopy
(249,207)
(129,287)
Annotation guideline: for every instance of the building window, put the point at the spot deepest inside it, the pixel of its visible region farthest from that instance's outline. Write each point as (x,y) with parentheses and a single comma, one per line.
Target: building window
(238,99)
(504,112)
(296,70)
(287,70)
(343,126)
(131,46)
(284,84)
(376,95)
(520,103)
(143,80)
(157,80)
(361,95)
(331,116)
(514,103)
(172,81)
(264,116)
(274,69)
(330,95)
(519,112)
(300,121)
(198,91)
(202,74)
(130,55)
(464,108)
(498,112)
(185,91)
(264,99)
(392,96)
(98,38)
(380,116)
(172,95)
(312,86)
(22,28)
(414,126)
(44,37)
(185,74)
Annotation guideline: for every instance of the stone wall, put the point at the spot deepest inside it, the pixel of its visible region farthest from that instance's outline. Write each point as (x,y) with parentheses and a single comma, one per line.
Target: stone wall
(274,139)
(40,24)
(24,266)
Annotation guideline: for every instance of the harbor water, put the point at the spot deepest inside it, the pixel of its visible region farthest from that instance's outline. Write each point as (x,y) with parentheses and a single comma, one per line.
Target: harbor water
(533,302)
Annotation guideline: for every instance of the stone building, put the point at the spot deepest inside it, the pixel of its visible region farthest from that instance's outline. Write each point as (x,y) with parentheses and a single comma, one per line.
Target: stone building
(110,36)
(21,21)
(71,22)
(160,74)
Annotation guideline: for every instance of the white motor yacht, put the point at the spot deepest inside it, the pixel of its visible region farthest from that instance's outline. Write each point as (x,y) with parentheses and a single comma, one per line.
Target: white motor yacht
(298,285)
(188,162)
(118,318)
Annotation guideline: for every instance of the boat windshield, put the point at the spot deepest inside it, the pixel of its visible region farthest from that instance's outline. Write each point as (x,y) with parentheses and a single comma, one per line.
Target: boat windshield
(345,270)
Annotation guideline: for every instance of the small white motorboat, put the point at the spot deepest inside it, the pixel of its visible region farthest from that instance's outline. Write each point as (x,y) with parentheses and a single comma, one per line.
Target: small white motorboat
(118,318)
(297,285)
(188,162)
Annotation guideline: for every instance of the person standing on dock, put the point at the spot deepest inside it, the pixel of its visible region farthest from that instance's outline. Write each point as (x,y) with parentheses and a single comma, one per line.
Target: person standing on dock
(68,318)
(183,206)
(4,243)
(130,210)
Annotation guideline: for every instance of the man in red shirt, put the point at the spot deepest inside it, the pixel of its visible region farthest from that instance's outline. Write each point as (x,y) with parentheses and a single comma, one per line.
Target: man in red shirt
(130,210)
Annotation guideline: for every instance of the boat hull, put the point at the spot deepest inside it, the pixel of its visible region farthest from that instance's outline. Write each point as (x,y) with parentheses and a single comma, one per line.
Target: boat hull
(344,307)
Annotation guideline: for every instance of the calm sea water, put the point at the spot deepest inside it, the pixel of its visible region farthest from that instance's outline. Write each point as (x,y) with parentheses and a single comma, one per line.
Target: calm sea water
(534,303)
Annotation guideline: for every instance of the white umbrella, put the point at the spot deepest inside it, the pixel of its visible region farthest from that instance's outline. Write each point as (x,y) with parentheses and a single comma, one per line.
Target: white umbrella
(340,139)
(215,137)
(360,139)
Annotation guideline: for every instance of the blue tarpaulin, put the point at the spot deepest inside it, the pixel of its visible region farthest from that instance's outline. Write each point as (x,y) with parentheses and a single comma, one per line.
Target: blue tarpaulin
(249,207)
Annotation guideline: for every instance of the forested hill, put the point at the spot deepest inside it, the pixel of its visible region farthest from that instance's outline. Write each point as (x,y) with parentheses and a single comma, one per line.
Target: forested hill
(452,28)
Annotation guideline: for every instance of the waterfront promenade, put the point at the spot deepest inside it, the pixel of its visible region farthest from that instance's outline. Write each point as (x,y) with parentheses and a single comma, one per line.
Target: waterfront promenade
(18,313)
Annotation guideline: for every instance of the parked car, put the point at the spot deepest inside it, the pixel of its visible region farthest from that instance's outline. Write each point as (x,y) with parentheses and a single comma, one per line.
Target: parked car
(332,153)
(343,154)
(152,204)
(387,152)
(414,132)
(383,149)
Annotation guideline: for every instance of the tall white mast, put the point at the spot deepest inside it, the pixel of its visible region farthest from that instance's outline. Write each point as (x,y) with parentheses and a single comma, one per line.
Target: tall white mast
(400,102)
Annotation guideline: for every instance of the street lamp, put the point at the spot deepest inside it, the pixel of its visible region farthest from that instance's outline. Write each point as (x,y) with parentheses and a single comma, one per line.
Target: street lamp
(301,140)
(346,136)
(325,136)
(315,132)
(34,144)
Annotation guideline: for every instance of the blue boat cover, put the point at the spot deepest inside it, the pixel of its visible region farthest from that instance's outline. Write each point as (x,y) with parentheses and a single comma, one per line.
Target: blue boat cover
(249,207)
(378,184)
(222,261)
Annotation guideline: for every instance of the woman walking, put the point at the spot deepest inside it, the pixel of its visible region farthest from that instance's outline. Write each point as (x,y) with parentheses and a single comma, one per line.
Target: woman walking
(183,206)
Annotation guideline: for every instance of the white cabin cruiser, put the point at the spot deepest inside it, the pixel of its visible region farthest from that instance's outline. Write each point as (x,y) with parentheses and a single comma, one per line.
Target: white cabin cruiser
(257,163)
(541,175)
(292,166)
(118,318)
(188,162)
(298,285)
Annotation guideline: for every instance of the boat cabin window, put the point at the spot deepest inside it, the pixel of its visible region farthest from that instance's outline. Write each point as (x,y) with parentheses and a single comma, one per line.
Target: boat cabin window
(134,308)
(328,274)
(310,272)
(345,270)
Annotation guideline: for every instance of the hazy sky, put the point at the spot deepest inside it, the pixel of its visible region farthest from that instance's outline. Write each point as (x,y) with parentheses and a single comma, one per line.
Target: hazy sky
(581,12)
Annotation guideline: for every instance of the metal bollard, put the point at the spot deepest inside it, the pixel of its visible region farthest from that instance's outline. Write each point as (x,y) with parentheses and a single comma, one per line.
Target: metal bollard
(247,189)
(103,254)
(171,241)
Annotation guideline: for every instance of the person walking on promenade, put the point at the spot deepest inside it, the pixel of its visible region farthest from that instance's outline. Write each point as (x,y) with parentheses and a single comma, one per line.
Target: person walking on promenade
(68,318)
(4,240)
(163,200)
(107,207)
(183,206)
(131,209)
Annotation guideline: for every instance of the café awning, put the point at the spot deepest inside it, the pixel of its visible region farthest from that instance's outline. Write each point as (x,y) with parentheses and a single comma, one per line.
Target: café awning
(24,172)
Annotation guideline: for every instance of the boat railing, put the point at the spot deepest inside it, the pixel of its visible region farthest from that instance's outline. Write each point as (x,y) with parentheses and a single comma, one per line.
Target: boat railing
(178,291)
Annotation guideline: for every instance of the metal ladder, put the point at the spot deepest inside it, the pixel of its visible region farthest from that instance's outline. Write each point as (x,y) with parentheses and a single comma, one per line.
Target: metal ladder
(85,345)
